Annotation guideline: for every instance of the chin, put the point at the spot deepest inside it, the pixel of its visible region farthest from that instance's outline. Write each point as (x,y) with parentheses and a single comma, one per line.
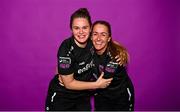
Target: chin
(98,49)
(83,41)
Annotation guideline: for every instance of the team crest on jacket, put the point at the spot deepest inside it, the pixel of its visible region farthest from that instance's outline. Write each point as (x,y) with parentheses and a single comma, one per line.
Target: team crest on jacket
(111,67)
(64,62)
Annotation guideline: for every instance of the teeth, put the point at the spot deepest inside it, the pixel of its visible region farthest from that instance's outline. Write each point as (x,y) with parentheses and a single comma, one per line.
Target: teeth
(81,36)
(98,43)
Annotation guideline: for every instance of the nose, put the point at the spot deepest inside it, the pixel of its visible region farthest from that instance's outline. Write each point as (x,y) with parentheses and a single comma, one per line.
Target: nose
(81,31)
(98,37)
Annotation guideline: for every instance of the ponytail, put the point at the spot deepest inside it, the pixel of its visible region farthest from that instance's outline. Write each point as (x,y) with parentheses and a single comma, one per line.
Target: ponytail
(116,49)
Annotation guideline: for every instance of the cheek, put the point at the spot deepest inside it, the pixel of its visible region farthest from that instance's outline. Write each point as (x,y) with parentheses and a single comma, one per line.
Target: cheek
(94,38)
(87,31)
(74,32)
(106,41)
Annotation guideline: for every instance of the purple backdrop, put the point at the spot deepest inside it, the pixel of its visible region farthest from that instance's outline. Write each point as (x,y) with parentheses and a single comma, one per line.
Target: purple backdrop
(31,31)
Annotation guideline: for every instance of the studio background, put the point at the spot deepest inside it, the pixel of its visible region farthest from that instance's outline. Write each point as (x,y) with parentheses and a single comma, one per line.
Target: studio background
(32,30)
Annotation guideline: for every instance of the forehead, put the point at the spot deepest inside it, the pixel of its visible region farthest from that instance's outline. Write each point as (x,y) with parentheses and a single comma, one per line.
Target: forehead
(80,21)
(100,28)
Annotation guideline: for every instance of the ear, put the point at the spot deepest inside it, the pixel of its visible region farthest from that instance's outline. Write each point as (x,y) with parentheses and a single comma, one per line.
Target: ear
(109,39)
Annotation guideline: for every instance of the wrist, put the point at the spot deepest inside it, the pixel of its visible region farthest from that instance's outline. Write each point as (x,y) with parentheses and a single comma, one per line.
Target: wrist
(95,85)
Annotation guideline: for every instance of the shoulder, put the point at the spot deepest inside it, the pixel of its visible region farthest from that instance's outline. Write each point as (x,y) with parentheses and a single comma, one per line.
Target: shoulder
(65,45)
(67,42)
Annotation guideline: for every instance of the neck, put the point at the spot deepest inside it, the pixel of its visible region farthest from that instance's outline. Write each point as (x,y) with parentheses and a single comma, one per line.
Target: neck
(100,52)
(81,45)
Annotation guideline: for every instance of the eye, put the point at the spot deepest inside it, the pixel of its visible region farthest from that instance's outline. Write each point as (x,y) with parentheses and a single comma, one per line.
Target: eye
(94,34)
(85,27)
(75,28)
(104,34)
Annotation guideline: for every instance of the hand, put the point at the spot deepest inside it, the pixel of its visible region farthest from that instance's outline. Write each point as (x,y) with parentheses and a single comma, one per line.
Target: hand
(60,80)
(103,83)
(122,58)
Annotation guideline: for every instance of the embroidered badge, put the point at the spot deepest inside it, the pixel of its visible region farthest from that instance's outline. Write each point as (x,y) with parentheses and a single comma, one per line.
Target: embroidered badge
(64,62)
(111,66)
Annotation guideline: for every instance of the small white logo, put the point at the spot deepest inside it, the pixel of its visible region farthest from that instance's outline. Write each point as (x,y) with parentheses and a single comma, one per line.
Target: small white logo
(65,60)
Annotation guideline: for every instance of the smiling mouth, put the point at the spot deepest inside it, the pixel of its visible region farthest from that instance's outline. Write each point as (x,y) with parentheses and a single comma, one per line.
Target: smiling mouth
(81,37)
(98,43)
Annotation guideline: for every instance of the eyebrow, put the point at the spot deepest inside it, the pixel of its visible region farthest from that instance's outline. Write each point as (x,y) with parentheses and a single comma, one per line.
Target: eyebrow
(101,32)
(104,32)
(80,27)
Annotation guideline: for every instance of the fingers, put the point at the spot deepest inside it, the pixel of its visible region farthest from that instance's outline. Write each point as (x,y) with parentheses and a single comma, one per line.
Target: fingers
(117,57)
(107,84)
(120,63)
(120,60)
(109,80)
(102,74)
(61,84)
(59,78)
(60,81)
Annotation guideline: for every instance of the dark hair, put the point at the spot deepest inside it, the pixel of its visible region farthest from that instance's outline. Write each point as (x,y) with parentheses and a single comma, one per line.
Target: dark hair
(113,47)
(81,13)
(103,23)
